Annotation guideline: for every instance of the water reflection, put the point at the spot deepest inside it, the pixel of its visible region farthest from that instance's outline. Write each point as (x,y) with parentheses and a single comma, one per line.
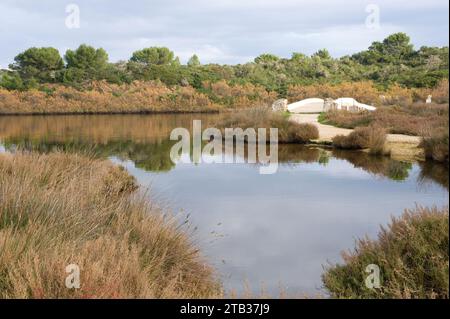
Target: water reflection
(155,156)
(148,156)
(143,139)
(271,229)
(99,129)
(433,173)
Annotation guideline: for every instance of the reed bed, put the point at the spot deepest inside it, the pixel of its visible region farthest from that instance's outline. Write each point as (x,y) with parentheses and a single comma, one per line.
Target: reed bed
(60,209)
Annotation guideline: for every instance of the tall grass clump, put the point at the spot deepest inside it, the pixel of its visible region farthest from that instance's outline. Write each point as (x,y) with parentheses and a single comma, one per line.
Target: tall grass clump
(263,117)
(435,145)
(61,209)
(372,138)
(412,253)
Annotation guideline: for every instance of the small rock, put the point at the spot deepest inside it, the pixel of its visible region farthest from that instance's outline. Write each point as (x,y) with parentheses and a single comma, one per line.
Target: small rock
(184,82)
(280,105)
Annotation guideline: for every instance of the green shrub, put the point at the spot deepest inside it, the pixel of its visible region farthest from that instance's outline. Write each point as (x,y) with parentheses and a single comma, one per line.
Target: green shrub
(11,81)
(412,253)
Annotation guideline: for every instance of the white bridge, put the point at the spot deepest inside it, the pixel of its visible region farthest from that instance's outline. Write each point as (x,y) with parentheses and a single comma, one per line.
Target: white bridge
(317,105)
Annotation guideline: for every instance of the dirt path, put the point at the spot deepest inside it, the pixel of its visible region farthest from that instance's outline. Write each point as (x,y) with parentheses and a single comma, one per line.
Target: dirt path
(326,132)
(400,146)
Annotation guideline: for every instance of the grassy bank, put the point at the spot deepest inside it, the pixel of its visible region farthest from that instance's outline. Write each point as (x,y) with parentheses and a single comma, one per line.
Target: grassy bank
(429,121)
(412,254)
(61,209)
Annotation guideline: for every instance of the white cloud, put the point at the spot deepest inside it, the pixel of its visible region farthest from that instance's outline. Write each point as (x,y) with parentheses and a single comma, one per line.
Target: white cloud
(223,31)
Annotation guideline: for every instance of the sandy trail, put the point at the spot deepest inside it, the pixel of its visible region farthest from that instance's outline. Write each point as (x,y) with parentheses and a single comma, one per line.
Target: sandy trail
(400,146)
(326,132)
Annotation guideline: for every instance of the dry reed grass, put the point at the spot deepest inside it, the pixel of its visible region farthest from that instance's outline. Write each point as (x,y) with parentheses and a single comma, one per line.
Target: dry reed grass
(412,253)
(60,209)
(412,120)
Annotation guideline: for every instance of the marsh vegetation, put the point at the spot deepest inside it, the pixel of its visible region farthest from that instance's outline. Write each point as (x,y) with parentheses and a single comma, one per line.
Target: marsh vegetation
(412,252)
(97,215)
(59,209)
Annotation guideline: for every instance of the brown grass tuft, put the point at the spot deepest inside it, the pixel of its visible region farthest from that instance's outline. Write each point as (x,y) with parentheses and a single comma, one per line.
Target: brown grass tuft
(435,145)
(372,138)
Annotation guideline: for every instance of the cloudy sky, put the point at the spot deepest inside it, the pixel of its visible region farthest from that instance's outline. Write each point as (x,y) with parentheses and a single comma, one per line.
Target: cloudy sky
(222,31)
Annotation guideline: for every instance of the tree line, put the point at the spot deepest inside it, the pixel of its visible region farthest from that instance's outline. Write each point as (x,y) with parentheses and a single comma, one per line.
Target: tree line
(393,60)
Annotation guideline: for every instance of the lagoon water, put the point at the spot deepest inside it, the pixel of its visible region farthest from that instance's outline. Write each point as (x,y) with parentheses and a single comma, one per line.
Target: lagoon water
(265,231)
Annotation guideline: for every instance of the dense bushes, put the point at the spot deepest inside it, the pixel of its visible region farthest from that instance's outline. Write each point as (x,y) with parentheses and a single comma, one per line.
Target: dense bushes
(154,96)
(364,92)
(440,92)
(238,96)
(423,68)
(412,254)
(103,97)
(413,120)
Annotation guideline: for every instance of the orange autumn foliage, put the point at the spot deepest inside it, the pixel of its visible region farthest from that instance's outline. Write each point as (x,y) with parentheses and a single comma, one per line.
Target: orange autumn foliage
(103,97)
(367,92)
(137,97)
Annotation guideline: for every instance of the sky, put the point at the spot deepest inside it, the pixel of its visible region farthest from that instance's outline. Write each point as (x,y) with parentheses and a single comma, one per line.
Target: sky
(218,31)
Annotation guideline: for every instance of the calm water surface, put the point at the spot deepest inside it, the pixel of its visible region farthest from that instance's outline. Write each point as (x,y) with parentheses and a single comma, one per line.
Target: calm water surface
(270,231)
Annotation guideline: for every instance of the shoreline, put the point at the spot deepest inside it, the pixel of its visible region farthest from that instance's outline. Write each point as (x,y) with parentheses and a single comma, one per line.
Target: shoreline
(113,113)
(398,146)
